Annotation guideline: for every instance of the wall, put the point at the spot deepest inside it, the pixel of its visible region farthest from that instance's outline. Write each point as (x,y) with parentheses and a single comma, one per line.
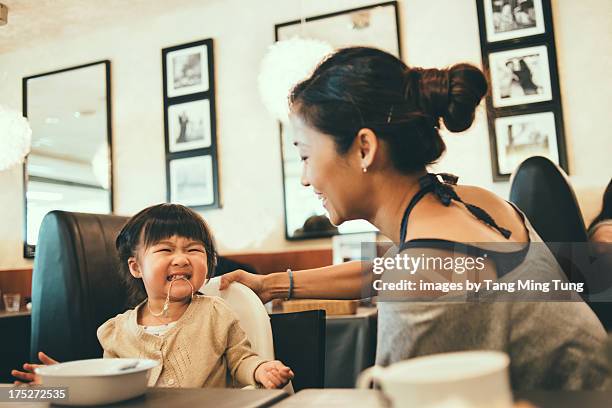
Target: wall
(434,33)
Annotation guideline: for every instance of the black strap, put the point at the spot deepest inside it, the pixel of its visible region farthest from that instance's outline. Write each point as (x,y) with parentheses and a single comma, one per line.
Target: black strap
(417,197)
(446,193)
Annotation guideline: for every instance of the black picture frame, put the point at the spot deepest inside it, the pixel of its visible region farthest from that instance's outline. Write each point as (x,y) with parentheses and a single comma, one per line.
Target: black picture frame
(29,251)
(326,232)
(544,123)
(196,171)
(532,80)
(525,105)
(191,101)
(521,19)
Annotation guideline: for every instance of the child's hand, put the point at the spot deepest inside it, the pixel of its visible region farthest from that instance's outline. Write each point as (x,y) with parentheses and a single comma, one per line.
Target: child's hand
(28,375)
(273,374)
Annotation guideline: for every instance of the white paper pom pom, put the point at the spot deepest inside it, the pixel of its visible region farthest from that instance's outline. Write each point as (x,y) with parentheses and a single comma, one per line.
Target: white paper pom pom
(287,63)
(15,138)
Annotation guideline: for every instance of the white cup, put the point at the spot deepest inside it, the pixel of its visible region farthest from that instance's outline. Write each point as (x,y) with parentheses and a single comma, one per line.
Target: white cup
(474,379)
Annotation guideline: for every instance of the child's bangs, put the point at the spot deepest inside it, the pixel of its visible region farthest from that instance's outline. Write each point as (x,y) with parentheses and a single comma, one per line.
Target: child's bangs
(171,221)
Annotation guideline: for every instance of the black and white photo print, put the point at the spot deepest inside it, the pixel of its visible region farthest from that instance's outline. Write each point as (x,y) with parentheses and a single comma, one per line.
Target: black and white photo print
(189,126)
(520,76)
(522,136)
(508,19)
(191,181)
(187,71)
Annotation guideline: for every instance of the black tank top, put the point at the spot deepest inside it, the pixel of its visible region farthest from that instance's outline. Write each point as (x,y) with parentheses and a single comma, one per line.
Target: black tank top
(441,185)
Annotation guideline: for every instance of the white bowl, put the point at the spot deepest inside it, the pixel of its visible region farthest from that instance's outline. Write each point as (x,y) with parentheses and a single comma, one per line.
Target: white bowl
(99,380)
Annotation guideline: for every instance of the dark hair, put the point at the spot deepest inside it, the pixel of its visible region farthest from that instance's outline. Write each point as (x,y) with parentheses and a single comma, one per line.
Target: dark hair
(362,87)
(152,225)
(606,207)
(316,224)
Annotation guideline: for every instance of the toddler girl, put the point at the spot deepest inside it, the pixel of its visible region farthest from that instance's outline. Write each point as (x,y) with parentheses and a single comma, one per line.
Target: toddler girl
(167,253)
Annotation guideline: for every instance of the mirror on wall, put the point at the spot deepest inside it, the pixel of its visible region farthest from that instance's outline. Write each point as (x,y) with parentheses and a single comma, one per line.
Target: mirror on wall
(373,26)
(70,165)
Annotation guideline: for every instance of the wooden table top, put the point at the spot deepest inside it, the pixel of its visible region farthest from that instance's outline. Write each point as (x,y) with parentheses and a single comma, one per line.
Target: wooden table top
(22,312)
(335,397)
(362,312)
(316,398)
(189,398)
(211,397)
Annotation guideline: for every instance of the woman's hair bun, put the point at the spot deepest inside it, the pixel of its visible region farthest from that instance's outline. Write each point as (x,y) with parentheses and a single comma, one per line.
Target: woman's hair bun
(451,94)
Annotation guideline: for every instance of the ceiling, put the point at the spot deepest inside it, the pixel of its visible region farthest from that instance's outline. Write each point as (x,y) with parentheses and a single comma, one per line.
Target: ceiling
(31,21)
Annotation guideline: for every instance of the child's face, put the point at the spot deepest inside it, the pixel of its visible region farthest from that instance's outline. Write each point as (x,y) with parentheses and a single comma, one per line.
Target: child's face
(157,264)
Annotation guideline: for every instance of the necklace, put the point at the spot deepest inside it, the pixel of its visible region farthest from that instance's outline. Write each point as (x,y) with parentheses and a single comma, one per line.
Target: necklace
(164,311)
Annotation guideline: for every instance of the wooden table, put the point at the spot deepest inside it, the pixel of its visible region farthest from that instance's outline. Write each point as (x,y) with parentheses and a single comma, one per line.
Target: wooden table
(319,398)
(23,312)
(374,399)
(335,397)
(190,398)
(211,397)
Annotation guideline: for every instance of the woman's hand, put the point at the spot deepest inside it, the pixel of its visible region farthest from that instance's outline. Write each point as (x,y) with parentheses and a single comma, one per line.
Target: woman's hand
(28,376)
(253,281)
(273,374)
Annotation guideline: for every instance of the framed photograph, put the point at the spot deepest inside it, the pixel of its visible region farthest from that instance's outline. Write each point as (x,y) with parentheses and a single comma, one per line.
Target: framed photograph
(524,108)
(522,136)
(509,19)
(520,76)
(189,126)
(192,181)
(186,70)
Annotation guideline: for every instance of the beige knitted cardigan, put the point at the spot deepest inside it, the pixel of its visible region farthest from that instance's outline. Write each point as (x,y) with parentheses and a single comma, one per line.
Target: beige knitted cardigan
(206,348)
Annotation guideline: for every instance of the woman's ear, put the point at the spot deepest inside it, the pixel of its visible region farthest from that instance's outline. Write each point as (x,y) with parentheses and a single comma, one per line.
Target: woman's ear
(134,267)
(367,144)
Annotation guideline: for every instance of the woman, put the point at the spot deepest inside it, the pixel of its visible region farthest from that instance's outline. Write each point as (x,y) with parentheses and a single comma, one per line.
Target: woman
(366,127)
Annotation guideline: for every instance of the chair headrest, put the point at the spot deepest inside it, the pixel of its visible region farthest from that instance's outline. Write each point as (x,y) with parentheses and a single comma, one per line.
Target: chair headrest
(542,190)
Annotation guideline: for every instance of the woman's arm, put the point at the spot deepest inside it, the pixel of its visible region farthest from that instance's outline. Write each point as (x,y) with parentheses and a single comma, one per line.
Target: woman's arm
(343,281)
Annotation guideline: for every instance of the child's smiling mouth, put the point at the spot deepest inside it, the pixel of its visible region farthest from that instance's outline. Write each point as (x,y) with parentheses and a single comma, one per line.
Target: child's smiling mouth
(176,276)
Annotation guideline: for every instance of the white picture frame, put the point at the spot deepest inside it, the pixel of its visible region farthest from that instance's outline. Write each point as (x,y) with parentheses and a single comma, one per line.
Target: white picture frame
(519,137)
(189,126)
(509,19)
(520,76)
(187,71)
(191,181)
